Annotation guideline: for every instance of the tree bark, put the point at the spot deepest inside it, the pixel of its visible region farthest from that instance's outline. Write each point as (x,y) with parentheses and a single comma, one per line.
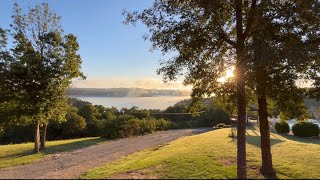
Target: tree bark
(261,90)
(36,137)
(241,130)
(241,94)
(267,168)
(43,136)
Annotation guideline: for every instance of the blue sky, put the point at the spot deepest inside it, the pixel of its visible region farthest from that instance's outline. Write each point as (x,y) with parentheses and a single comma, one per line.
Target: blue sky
(114,55)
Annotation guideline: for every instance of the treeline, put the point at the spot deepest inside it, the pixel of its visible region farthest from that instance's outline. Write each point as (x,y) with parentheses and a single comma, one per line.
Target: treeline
(124,92)
(86,120)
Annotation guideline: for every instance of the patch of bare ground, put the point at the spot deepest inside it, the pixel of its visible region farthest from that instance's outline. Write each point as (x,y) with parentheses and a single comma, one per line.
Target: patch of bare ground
(147,173)
(228,161)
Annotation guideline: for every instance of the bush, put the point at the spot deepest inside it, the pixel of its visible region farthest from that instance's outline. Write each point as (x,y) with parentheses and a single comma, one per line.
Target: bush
(282,127)
(181,125)
(125,126)
(163,124)
(74,125)
(305,129)
(221,125)
(233,132)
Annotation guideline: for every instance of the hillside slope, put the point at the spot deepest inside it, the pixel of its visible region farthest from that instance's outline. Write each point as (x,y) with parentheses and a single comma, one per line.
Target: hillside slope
(213,155)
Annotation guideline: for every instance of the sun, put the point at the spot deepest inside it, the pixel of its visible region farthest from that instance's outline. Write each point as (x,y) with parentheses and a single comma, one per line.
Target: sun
(229,74)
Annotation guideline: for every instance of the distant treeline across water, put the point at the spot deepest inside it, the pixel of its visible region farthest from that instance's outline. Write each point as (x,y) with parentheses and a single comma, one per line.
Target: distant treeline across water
(157,102)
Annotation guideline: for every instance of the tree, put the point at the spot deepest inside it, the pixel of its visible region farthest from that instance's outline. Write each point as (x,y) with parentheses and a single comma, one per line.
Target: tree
(89,112)
(74,124)
(7,104)
(280,52)
(208,37)
(44,63)
(207,34)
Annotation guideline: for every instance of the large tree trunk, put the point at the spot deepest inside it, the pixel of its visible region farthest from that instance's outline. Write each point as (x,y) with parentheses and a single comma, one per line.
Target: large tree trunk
(241,130)
(36,137)
(266,168)
(241,94)
(43,136)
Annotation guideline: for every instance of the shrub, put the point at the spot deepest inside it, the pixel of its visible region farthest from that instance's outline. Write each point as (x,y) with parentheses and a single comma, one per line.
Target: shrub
(94,128)
(148,126)
(174,125)
(233,132)
(305,129)
(163,124)
(282,127)
(74,125)
(125,126)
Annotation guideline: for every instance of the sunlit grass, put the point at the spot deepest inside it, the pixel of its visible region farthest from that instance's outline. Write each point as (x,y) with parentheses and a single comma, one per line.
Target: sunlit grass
(17,154)
(213,155)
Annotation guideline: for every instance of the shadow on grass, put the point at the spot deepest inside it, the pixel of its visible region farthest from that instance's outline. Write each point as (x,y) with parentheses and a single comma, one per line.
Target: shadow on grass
(51,149)
(301,139)
(73,145)
(24,153)
(256,141)
(270,176)
(253,137)
(201,130)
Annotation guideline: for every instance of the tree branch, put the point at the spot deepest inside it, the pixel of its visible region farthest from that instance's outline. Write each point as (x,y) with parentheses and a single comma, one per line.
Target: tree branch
(223,35)
(250,18)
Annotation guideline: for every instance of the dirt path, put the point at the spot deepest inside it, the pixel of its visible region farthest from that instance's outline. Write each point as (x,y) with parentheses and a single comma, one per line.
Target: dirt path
(72,164)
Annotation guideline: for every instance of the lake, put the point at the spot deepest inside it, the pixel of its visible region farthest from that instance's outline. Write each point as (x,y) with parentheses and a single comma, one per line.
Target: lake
(158,102)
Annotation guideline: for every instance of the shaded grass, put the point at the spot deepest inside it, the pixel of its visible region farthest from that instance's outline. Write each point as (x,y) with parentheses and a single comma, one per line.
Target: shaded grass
(18,154)
(213,155)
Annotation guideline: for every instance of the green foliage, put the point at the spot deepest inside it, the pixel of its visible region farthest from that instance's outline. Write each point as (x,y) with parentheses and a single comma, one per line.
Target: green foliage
(162,124)
(83,120)
(45,61)
(272,108)
(294,110)
(74,125)
(94,128)
(38,67)
(283,116)
(282,127)
(210,116)
(127,125)
(305,129)
(16,134)
(77,103)
(89,112)
(204,48)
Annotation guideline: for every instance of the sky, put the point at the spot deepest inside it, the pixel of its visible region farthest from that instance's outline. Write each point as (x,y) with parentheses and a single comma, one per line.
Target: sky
(113,54)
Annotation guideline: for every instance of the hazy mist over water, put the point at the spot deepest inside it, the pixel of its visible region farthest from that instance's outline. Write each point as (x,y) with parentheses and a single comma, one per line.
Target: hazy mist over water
(158,102)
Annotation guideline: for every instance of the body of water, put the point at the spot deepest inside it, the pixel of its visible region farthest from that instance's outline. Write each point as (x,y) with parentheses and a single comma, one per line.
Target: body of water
(159,102)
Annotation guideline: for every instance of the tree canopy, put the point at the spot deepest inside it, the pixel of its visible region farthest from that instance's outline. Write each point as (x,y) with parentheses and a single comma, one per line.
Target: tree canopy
(40,65)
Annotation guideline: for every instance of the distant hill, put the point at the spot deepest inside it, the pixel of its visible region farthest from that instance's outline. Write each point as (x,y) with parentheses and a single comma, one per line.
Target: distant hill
(125,92)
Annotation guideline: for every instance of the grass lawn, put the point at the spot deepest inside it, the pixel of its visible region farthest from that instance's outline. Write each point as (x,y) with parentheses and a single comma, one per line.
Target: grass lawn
(17,154)
(213,155)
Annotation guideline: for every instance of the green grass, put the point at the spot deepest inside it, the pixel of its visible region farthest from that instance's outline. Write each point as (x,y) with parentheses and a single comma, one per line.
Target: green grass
(17,154)
(213,155)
